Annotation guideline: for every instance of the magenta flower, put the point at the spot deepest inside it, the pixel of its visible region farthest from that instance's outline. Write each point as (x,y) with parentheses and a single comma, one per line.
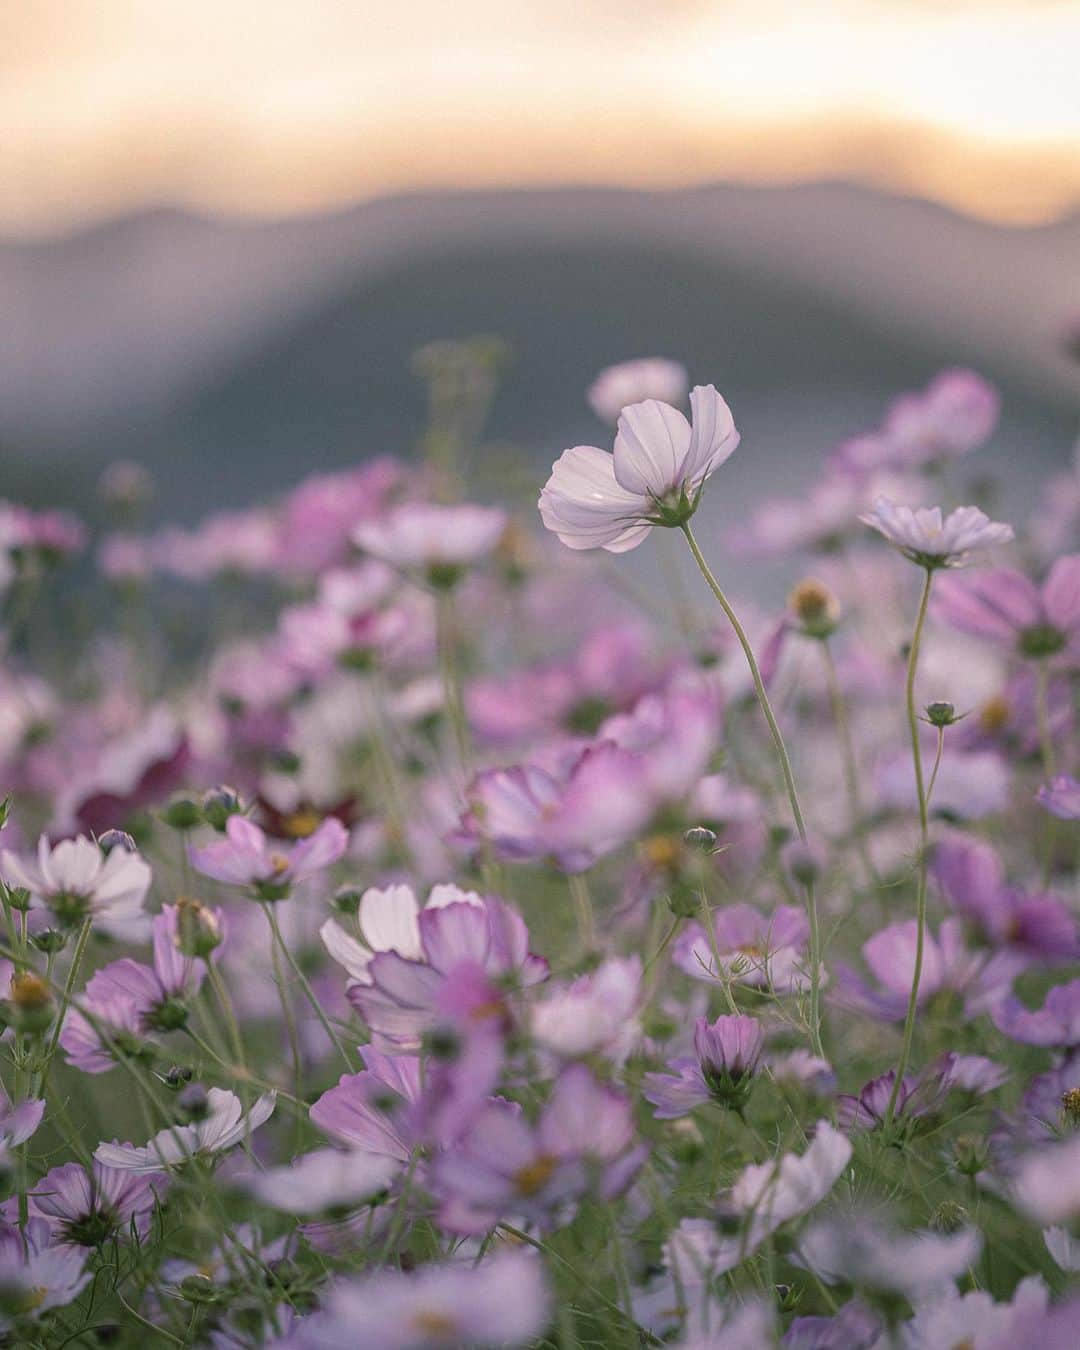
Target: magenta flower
(948,967)
(503,1167)
(87,1207)
(654,477)
(956,412)
(371,1111)
(1061,797)
(464,949)
(113,1027)
(19,1121)
(572,816)
(648,377)
(973,881)
(37,1276)
(1005,607)
(924,537)
(727,1055)
(1056,1023)
(246,857)
(920,1094)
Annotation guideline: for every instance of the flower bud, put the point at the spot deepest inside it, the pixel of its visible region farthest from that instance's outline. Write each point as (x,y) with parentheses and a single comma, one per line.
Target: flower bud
(19,898)
(116,839)
(941,714)
(49,941)
(729,1052)
(949,1217)
(198,929)
(182,813)
(219,804)
(970,1154)
(815,607)
(1070,1108)
(177,1077)
(31,1002)
(700,837)
(347,900)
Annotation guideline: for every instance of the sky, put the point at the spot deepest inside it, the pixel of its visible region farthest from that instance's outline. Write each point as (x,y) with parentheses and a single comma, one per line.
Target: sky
(277,106)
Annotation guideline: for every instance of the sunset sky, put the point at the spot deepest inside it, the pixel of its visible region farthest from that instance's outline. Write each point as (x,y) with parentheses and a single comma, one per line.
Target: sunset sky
(277,105)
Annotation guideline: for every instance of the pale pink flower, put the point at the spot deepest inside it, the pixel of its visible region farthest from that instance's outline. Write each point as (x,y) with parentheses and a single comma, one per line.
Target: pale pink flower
(633,382)
(931,540)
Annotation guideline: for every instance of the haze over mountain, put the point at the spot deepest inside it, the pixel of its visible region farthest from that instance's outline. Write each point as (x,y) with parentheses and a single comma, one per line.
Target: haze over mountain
(235,355)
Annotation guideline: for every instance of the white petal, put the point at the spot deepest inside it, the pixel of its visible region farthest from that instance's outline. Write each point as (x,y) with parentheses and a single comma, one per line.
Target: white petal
(651,448)
(388,921)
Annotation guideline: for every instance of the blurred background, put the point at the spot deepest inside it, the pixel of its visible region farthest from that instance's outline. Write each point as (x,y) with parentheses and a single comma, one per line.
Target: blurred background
(225,225)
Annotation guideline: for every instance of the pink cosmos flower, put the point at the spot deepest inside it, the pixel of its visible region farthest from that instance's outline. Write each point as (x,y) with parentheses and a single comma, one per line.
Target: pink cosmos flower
(926,538)
(88,1206)
(1056,1023)
(956,412)
(648,377)
(502,1302)
(948,966)
(436,540)
(726,1057)
(325,1179)
(36,1275)
(1005,606)
(596,1014)
(864,1251)
(246,857)
(19,1121)
(655,476)
(463,949)
(502,1166)
(760,950)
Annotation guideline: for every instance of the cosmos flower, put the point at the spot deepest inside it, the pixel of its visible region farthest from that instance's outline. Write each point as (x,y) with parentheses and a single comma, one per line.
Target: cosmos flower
(246,857)
(760,950)
(225,1125)
(648,377)
(726,1057)
(1056,1023)
(372,1111)
(869,1254)
(596,1014)
(325,1179)
(75,880)
(956,412)
(654,477)
(437,541)
(926,538)
(87,1206)
(501,1302)
(35,1275)
(1003,605)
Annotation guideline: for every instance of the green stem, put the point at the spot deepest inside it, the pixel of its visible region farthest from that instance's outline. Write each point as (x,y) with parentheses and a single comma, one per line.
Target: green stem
(848,761)
(1042,719)
(579,893)
(65,1001)
(453,698)
(309,993)
(789,780)
(924,843)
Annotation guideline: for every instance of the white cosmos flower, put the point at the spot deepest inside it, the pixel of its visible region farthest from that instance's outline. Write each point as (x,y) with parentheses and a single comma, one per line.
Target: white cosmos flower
(75,879)
(932,541)
(654,477)
(326,1178)
(388,922)
(770,1194)
(224,1125)
(633,381)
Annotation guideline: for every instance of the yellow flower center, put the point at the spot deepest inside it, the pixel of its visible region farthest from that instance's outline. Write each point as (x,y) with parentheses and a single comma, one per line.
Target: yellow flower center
(431,1323)
(661,850)
(532,1177)
(994,714)
(300,824)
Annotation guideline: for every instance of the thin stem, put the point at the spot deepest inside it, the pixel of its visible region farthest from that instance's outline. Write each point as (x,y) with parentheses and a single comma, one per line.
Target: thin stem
(453,697)
(939,750)
(65,1000)
(1042,719)
(848,760)
(924,843)
(309,993)
(579,893)
(789,781)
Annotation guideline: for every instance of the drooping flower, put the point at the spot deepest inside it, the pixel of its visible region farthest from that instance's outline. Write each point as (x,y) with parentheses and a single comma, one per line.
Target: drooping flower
(246,857)
(726,1057)
(75,880)
(654,477)
(1003,605)
(502,1302)
(920,1094)
(924,537)
(648,377)
(225,1125)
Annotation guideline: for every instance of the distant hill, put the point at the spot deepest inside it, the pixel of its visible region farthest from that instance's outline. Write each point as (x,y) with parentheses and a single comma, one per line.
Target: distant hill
(235,356)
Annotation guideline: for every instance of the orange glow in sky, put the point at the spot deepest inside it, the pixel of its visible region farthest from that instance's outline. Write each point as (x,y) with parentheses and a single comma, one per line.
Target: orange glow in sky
(288,105)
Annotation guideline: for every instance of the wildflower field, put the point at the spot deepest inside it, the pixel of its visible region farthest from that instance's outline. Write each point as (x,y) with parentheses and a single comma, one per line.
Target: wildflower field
(420,932)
